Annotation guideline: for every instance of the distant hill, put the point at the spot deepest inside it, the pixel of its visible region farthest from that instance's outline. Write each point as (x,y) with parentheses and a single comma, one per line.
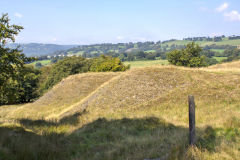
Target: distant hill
(39,49)
(218,44)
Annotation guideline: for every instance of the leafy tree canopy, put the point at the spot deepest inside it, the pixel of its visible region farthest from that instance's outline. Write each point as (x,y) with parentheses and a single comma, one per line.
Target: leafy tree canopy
(189,56)
(107,63)
(74,65)
(11,60)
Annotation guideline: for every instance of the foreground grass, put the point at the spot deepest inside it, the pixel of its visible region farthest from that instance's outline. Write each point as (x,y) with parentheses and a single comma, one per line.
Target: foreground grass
(140,114)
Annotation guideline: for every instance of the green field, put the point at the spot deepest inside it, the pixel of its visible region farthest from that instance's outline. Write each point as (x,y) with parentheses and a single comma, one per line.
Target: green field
(218,50)
(184,42)
(229,42)
(204,43)
(150,51)
(138,64)
(43,62)
(219,59)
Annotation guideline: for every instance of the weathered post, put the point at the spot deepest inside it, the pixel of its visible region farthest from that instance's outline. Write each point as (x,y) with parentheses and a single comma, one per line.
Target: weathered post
(191,104)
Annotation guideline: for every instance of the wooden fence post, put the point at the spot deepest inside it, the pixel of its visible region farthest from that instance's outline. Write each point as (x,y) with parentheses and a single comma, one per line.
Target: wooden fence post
(191,104)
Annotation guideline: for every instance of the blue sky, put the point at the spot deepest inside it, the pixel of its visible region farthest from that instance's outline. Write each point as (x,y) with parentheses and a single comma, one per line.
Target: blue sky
(103,21)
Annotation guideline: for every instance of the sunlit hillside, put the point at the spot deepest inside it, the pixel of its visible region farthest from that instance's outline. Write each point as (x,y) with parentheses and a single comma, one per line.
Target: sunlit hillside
(138,114)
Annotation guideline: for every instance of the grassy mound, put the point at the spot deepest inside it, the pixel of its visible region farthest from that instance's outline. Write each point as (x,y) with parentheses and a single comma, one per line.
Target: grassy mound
(138,114)
(66,93)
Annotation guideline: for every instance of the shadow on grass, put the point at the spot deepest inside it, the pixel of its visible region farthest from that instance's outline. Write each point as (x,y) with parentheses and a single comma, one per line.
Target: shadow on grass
(68,120)
(102,139)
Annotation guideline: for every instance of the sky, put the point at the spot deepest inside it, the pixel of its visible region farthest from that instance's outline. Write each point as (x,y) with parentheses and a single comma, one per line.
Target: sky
(116,21)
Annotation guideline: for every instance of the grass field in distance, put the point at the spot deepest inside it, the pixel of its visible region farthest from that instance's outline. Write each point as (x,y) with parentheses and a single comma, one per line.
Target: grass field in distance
(43,62)
(138,64)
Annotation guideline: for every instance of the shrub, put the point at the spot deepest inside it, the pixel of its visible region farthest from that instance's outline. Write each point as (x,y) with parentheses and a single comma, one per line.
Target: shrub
(63,68)
(38,65)
(74,65)
(23,88)
(189,56)
(232,54)
(107,63)
(211,61)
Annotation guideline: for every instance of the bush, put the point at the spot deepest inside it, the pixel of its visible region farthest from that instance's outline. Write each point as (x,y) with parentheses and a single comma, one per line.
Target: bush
(211,61)
(74,65)
(232,54)
(106,64)
(151,56)
(38,65)
(189,57)
(23,88)
(63,68)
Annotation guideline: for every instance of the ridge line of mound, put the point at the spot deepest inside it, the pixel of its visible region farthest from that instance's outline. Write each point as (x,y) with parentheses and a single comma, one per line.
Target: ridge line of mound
(134,87)
(66,93)
(84,102)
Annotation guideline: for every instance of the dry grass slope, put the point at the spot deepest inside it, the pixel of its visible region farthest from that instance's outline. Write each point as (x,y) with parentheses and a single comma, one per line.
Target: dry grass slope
(229,67)
(69,91)
(138,114)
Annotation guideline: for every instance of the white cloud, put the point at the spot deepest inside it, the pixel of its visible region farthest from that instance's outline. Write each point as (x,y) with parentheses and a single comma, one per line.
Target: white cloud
(54,39)
(19,15)
(222,7)
(232,16)
(120,37)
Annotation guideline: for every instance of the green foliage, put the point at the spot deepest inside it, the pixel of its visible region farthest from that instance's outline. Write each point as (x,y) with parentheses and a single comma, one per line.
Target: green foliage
(151,56)
(232,54)
(208,53)
(106,64)
(74,65)
(64,68)
(12,65)
(211,61)
(140,55)
(7,31)
(38,65)
(28,84)
(22,88)
(189,56)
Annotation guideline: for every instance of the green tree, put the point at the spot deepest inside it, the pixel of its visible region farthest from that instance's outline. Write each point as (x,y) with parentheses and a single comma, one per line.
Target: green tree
(140,55)
(107,63)
(38,65)
(151,56)
(64,68)
(26,84)
(11,60)
(189,56)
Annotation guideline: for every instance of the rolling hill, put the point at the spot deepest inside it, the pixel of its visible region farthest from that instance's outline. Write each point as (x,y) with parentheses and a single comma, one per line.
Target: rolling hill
(39,49)
(150,47)
(138,114)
